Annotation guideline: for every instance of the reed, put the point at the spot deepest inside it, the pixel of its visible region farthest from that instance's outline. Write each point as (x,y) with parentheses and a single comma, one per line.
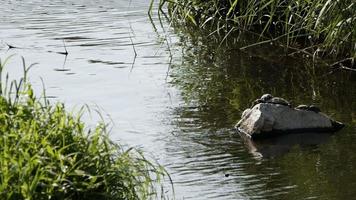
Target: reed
(48,153)
(321,27)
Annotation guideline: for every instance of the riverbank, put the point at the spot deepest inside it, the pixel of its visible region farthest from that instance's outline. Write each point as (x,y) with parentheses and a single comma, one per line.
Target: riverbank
(48,153)
(321,29)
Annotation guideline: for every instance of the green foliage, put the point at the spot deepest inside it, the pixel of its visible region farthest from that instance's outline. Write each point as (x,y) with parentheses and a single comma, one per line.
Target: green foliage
(325,27)
(47,153)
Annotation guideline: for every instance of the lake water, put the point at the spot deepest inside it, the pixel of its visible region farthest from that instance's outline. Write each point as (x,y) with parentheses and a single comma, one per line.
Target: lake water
(180,96)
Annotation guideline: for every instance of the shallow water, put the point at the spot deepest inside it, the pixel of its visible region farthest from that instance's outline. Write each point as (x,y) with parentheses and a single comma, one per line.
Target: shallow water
(179,102)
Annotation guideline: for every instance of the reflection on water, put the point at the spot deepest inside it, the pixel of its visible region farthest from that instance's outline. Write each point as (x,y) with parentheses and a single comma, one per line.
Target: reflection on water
(277,146)
(185,120)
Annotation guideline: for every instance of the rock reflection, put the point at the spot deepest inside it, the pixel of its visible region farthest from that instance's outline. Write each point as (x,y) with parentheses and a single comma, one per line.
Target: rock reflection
(278,146)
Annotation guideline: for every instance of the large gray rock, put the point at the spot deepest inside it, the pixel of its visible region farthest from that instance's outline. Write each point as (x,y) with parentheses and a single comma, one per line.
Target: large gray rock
(264,118)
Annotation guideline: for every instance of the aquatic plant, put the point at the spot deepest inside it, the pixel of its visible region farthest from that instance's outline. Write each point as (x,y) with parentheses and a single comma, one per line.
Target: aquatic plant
(48,153)
(321,28)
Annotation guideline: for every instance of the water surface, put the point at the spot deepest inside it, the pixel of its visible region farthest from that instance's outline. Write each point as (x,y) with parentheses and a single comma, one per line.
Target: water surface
(179,100)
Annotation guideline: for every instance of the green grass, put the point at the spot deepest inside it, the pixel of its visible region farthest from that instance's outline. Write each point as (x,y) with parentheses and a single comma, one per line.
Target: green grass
(48,153)
(324,28)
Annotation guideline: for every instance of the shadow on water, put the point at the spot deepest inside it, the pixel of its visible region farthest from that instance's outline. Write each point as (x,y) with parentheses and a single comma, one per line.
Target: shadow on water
(218,82)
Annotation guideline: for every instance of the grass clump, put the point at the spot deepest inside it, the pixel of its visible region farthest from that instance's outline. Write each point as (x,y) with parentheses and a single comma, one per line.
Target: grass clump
(322,27)
(47,153)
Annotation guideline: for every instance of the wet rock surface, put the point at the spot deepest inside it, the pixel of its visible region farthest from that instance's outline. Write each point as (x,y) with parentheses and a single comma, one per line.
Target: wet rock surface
(270,118)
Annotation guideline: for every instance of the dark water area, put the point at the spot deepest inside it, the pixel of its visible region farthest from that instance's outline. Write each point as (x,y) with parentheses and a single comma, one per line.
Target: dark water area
(181,96)
(219,82)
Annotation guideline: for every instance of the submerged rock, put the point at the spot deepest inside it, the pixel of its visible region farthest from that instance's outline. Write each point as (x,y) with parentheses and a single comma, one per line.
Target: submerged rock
(268,118)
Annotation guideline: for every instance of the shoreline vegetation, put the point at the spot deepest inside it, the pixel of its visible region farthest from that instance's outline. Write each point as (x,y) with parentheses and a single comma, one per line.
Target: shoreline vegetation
(48,153)
(322,29)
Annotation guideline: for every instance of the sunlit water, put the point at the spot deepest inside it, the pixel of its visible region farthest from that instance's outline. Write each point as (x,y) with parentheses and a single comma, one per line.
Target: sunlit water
(179,100)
